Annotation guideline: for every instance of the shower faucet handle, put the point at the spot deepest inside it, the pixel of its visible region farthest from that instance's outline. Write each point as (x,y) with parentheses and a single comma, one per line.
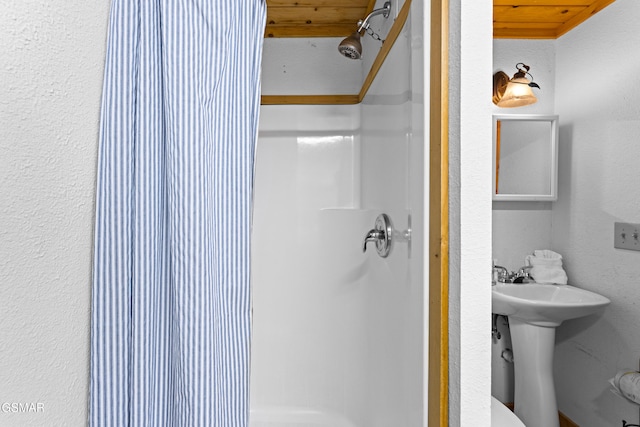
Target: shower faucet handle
(381,234)
(372,236)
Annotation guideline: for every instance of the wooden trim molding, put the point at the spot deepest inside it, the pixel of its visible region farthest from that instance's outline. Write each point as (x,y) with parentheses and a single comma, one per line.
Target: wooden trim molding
(588,12)
(394,32)
(438,400)
(536,19)
(309,99)
(565,421)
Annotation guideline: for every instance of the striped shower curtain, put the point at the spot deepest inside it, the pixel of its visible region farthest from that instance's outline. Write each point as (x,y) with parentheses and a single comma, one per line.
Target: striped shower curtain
(171,304)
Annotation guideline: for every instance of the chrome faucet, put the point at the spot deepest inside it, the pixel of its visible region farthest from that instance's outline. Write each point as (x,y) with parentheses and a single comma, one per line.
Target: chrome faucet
(373,236)
(523,276)
(382,235)
(503,274)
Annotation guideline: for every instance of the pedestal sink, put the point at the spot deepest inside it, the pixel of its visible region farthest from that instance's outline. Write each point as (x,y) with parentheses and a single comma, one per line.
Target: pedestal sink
(534,311)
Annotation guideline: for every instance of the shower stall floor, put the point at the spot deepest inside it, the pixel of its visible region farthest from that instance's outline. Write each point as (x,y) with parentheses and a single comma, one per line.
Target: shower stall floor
(295,416)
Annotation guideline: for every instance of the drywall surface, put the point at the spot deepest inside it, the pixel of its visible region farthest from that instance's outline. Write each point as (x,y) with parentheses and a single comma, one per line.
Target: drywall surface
(470,45)
(50,84)
(518,229)
(596,98)
(540,55)
(302,66)
(521,227)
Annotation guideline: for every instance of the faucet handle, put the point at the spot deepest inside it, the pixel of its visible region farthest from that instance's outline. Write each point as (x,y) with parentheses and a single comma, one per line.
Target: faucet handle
(381,234)
(523,276)
(373,236)
(503,274)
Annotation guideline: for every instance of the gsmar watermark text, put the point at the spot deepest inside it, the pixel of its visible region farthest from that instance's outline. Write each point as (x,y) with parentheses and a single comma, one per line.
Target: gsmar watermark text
(21,407)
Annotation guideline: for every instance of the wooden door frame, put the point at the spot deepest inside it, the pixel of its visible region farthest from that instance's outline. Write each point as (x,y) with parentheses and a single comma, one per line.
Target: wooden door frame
(438,385)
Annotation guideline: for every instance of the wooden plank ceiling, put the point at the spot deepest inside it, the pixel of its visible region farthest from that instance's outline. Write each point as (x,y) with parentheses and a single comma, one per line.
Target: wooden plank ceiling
(512,19)
(315,18)
(541,19)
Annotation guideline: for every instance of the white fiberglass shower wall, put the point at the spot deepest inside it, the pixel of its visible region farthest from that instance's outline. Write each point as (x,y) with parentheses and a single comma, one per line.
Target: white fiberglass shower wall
(339,335)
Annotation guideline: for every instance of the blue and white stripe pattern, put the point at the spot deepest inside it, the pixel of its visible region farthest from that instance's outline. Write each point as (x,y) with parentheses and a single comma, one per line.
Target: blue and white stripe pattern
(171,304)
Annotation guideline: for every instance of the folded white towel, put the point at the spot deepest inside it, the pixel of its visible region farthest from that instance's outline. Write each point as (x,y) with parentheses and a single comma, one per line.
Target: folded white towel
(547,254)
(546,267)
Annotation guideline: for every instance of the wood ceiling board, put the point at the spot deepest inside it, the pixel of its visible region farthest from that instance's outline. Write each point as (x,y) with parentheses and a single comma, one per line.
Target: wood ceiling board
(315,18)
(311,31)
(596,6)
(512,18)
(310,15)
(525,25)
(532,19)
(560,14)
(518,33)
(318,3)
(542,3)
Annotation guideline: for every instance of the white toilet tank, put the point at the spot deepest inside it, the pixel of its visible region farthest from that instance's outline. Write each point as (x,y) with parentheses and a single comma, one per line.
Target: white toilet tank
(501,416)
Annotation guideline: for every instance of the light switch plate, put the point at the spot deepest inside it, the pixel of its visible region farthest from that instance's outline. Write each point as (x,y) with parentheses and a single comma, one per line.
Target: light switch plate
(626,236)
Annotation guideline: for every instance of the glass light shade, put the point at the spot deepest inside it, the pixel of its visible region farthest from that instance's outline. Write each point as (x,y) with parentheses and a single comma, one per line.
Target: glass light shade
(517,94)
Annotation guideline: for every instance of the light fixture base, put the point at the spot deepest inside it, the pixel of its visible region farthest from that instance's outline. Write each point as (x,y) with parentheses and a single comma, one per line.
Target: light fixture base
(500,81)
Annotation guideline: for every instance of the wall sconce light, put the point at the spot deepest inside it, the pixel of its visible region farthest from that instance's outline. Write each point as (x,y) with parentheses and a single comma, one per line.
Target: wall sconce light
(514,92)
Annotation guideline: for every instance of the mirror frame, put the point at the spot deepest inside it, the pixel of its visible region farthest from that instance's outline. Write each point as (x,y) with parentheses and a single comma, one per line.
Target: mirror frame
(553,119)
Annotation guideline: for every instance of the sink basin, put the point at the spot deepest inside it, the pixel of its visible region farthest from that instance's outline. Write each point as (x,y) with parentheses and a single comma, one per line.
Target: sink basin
(534,311)
(544,304)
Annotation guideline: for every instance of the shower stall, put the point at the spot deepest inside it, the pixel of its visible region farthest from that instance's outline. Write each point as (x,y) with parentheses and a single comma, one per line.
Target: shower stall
(339,335)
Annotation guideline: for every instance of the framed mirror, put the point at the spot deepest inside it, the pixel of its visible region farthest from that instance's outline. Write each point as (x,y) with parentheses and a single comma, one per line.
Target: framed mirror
(525,157)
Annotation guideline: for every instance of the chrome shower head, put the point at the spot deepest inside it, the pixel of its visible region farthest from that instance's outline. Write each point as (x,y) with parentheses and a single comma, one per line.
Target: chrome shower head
(351,46)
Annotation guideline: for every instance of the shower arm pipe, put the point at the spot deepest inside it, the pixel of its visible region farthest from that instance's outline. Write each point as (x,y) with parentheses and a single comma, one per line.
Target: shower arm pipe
(385,11)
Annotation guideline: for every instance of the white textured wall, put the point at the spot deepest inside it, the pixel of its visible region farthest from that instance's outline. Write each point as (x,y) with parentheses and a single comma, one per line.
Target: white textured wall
(598,88)
(50,83)
(521,227)
(470,46)
(540,55)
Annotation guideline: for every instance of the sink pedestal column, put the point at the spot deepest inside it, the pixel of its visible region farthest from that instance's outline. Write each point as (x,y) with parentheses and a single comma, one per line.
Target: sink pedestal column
(534,394)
